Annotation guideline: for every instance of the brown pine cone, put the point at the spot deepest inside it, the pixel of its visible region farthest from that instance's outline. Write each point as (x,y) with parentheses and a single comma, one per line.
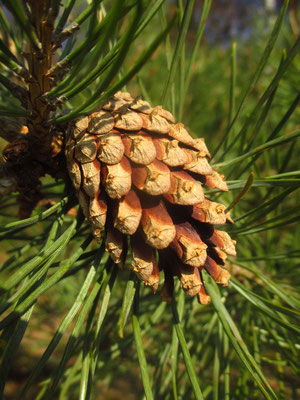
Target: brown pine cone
(138,173)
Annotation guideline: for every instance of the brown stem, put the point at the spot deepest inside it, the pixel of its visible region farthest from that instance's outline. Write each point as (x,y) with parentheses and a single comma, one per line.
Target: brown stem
(30,156)
(40,82)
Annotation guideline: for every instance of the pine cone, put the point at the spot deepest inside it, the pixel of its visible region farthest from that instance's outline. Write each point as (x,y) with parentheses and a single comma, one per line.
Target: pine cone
(138,173)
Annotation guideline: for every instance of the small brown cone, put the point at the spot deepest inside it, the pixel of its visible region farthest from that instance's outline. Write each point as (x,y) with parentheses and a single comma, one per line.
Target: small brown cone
(138,173)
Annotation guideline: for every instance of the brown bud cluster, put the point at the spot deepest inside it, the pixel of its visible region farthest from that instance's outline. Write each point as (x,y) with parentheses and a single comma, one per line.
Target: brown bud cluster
(138,173)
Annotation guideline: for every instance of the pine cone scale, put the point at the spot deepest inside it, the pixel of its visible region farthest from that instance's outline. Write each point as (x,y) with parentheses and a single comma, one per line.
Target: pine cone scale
(128,214)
